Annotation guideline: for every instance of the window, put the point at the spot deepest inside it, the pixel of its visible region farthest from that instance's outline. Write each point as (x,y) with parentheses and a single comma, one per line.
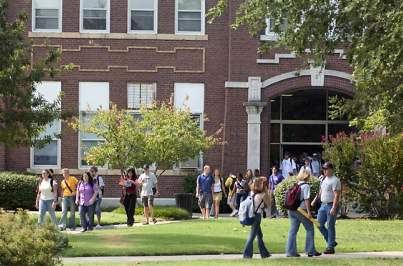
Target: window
(141,94)
(189,16)
(94,16)
(48,155)
(143,16)
(93,95)
(269,33)
(47,15)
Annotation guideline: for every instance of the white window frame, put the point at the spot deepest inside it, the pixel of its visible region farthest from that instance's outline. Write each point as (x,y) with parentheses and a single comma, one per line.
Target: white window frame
(140,83)
(200,156)
(203,20)
(33,19)
(269,35)
(108,18)
(129,20)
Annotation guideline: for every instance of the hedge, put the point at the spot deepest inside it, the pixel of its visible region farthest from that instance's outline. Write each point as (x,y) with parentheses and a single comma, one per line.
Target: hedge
(17,190)
(172,213)
(282,188)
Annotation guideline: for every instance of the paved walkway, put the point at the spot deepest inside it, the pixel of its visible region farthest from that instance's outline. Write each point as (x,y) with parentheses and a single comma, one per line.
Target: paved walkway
(131,259)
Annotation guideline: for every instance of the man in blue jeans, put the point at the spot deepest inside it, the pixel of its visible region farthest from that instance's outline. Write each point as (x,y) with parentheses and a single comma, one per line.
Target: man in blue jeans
(330,196)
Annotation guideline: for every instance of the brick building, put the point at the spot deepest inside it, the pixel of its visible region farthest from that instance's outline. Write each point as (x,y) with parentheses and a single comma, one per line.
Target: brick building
(131,52)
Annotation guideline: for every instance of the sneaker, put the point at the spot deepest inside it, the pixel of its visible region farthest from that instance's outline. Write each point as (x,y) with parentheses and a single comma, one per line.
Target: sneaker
(154,220)
(98,227)
(83,230)
(335,244)
(233,213)
(316,254)
(145,223)
(329,251)
(61,228)
(293,256)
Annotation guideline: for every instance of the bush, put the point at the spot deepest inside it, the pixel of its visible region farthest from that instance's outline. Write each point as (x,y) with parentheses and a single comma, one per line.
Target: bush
(23,242)
(282,188)
(171,213)
(17,190)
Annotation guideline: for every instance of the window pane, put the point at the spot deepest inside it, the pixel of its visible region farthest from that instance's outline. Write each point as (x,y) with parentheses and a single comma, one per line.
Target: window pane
(47,155)
(47,23)
(189,4)
(275,133)
(303,133)
(85,146)
(142,20)
(189,21)
(47,13)
(94,24)
(275,108)
(305,105)
(142,4)
(94,14)
(47,4)
(274,154)
(333,129)
(95,3)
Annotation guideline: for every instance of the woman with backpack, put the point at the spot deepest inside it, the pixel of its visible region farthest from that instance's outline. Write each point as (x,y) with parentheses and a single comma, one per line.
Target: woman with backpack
(86,196)
(239,190)
(296,218)
(218,190)
(46,198)
(260,200)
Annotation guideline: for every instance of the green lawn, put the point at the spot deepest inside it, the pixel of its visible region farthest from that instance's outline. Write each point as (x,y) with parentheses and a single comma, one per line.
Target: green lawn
(228,236)
(258,262)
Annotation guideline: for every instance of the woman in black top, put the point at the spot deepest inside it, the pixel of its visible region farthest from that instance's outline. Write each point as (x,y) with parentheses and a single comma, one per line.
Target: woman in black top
(129,186)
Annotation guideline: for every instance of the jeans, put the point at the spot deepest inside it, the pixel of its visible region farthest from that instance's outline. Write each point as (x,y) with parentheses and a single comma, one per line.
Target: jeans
(256,231)
(130,206)
(97,205)
(295,220)
(68,204)
(46,206)
(273,210)
(240,196)
(87,216)
(324,217)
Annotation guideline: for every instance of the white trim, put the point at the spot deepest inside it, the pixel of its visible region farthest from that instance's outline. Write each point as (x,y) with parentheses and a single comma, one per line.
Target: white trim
(236,84)
(339,74)
(108,19)
(271,36)
(129,21)
(203,20)
(278,56)
(309,122)
(60,19)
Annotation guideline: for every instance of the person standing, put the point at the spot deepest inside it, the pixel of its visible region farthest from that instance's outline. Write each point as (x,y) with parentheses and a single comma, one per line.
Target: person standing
(287,165)
(239,191)
(274,179)
(296,218)
(230,184)
(86,196)
(148,181)
(129,184)
(315,164)
(204,191)
(46,198)
(307,166)
(101,188)
(330,190)
(260,199)
(69,187)
(218,191)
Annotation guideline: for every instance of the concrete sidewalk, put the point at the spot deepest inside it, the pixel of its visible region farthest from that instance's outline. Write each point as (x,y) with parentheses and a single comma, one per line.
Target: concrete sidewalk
(132,259)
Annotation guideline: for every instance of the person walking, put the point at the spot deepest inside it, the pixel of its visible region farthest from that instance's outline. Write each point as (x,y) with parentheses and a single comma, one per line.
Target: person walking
(129,184)
(204,191)
(218,191)
(86,196)
(148,181)
(69,188)
(260,199)
(239,190)
(288,165)
(307,166)
(274,179)
(330,190)
(46,198)
(101,188)
(230,184)
(316,165)
(296,218)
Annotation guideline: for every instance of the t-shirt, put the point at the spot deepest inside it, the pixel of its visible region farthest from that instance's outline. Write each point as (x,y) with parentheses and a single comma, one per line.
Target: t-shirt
(46,190)
(287,166)
(307,168)
(305,194)
(205,183)
(147,183)
(101,185)
(258,198)
(274,180)
(86,192)
(328,186)
(217,185)
(315,167)
(72,182)
(230,183)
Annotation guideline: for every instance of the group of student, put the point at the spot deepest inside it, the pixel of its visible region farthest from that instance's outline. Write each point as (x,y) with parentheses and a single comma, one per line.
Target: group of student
(211,187)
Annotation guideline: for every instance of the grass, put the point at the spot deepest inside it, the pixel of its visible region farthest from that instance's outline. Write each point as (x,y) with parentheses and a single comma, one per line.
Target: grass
(166,212)
(228,236)
(258,262)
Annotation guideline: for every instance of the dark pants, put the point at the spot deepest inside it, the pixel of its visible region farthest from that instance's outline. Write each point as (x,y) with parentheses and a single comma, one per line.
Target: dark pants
(130,206)
(256,231)
(87,216)
(240,196)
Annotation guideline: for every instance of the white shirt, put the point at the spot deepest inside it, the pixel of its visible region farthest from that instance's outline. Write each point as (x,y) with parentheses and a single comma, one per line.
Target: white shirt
(147,183)
(307,168)
(287,166)
(305,194)
(327,188)
(217,186)
(258,200)
(46,190)
(315,167)
(100,184)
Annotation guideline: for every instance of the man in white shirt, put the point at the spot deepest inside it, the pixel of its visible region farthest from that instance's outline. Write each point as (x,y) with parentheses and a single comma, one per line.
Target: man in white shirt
(288,165)
(148,181)
(316,165)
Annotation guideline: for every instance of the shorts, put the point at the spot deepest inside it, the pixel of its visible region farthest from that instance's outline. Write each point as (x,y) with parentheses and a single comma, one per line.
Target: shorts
(147,201)
(205,200)
(98,206)
(217,196)
(231,200)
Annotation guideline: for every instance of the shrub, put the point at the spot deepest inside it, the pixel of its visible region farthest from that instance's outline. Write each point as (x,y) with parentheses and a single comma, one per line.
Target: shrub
(282,188)
(172,213)
(23,242)
(17,190)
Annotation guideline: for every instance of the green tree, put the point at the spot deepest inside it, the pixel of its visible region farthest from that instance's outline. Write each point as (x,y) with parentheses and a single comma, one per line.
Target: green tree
(23,113)
(371,33)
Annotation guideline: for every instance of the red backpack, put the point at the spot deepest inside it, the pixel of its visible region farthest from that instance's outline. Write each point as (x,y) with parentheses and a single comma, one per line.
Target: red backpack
(292,198)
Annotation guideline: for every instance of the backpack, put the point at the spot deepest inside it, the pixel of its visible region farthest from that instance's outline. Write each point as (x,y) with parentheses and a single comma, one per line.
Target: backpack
(292,198)
(247,211)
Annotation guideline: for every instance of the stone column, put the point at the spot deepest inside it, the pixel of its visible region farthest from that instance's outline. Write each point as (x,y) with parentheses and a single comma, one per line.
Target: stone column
(254,108)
